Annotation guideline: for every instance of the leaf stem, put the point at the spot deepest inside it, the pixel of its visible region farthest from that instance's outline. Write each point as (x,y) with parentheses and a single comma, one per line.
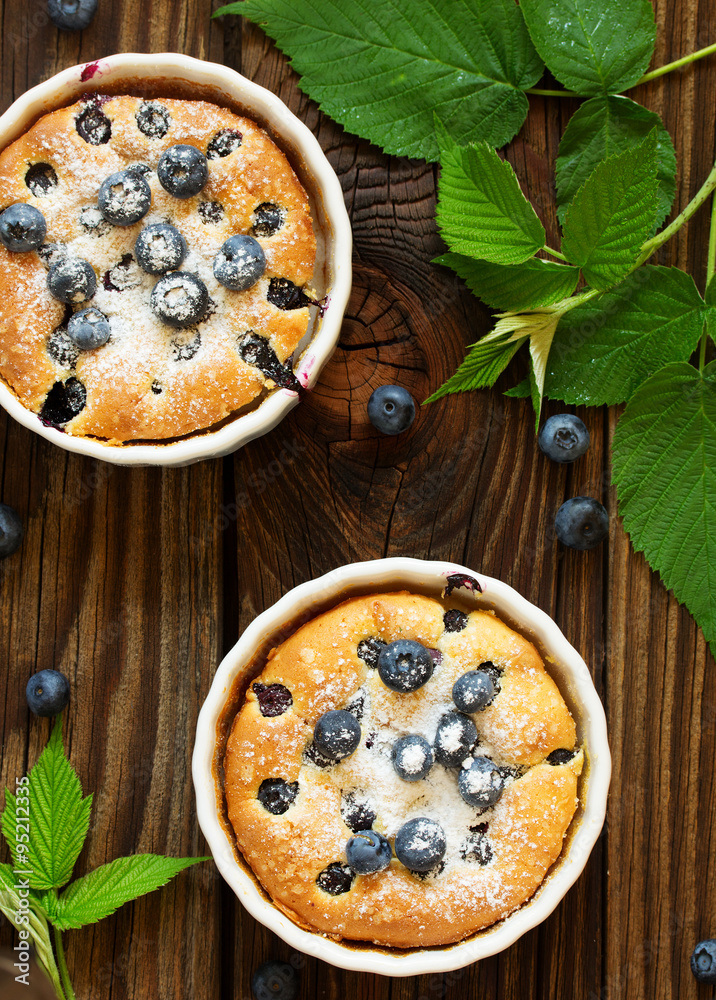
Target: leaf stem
(683,217)
(555,253)
(677,64)
(66,981)
(552,93)
(655,73)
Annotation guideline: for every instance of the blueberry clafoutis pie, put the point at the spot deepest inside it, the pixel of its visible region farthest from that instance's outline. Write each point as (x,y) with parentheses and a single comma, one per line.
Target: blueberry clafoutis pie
(402,771)
(156,259)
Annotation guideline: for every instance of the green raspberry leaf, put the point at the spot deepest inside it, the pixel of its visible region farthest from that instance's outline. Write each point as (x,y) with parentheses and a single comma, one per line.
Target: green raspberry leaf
(482,367)
(604,349)
(593,46)
(613,214)
(481,210)
(382,69)
(514,286)
(59,817)
(600,128)
(523,390)
(102,891)
(665,474)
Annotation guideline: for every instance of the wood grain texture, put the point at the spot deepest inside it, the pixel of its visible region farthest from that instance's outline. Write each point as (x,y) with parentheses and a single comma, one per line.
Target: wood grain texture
(134,584)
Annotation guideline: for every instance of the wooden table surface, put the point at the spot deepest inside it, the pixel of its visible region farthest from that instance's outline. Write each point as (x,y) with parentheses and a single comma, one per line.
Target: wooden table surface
(134,584)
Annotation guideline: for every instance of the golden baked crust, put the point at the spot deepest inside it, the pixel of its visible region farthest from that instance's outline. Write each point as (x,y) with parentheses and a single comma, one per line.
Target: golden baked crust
(142,384)
(321,668)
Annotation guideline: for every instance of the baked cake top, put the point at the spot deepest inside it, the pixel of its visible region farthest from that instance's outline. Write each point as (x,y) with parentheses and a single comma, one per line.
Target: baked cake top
(329,744)
(155,377)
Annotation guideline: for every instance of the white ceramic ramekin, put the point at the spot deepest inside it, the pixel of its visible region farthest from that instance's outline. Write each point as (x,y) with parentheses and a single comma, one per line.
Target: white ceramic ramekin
(178,75)
(564,664)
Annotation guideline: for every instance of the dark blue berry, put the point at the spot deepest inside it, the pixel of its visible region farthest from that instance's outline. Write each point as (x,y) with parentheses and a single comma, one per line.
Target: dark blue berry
(183,171)
(11,530)
(72,15)
(22,228)
(61,349)
(564,437)
(63,402)
(477,847)
(335,879)
(391,409)
(480,782)
(582,523)
(455,620)
(211,212)
(153,119)
(124,198)
(88,329)
(283,294)
(223,143)
(368,852)
(455,737)
(184,350)
(180,299)
(405,665)
(160,248)
(420,844)
(457,580)
(560,756)
(337,734)
(357,812)
(40,179)
(369,651)
(703,961)
(239,263)
(276,795)
(275,981)
(48,692)
(267,219)
(412,757)
(474,691)
(72,279)
(93,125)
(257,351)
(273,699)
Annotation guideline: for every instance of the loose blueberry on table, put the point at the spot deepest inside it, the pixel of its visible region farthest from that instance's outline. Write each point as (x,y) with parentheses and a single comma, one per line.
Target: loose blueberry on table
(22,228)
(391,409)
(703,961)
(72,15)
(405,665)
(275,981)
(47,692)
(564,438)
(11,530)
(368,852)
(337,734)
(582,523)
(88,329)
(183,171)
(420,844)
